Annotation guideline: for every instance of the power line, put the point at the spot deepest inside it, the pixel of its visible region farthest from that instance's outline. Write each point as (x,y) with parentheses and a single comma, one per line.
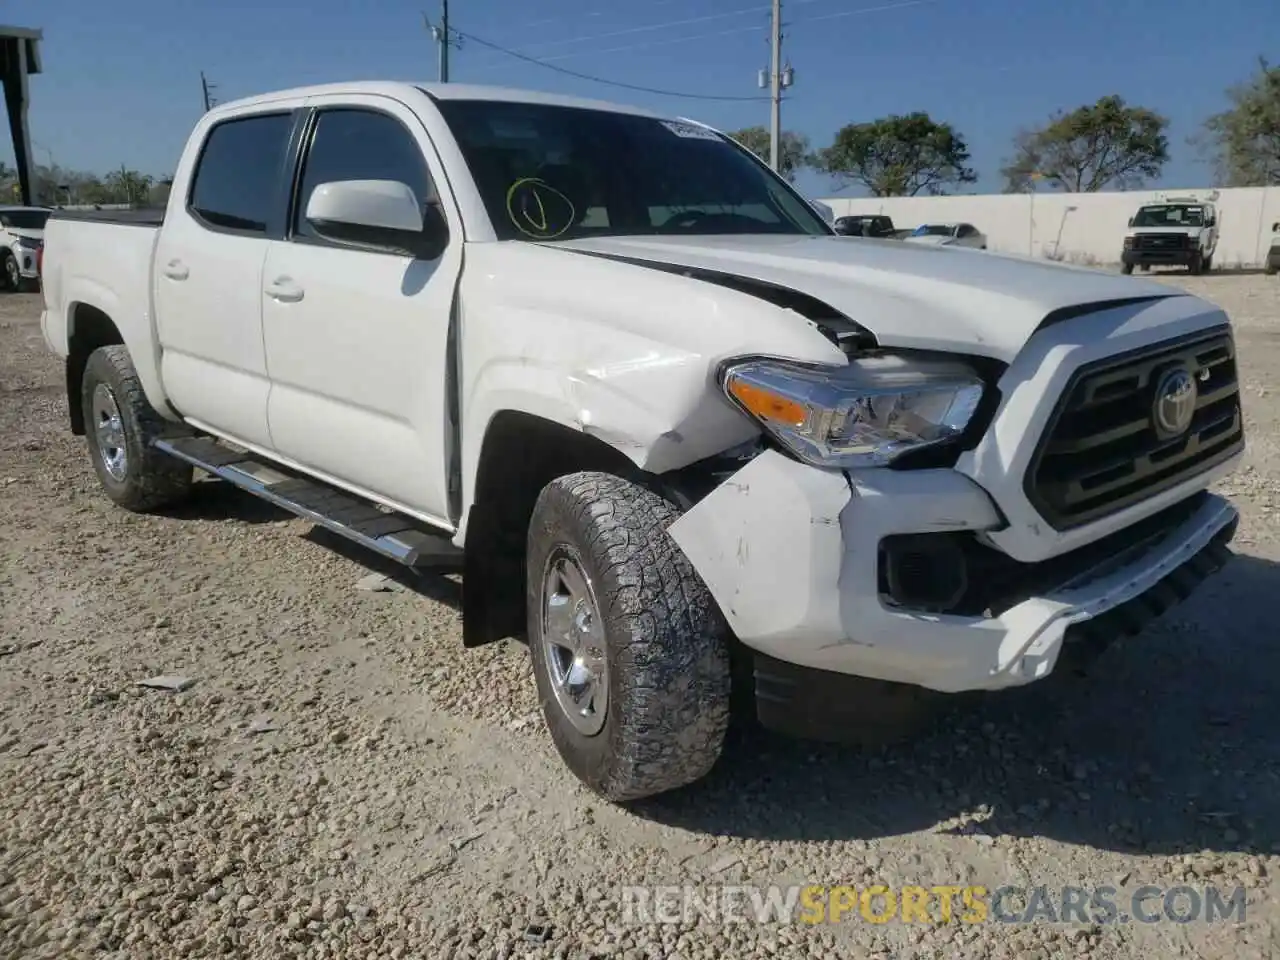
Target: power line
(647,28)
(759,28)
(853,13)
(585,76)
(650,27)
(650,4)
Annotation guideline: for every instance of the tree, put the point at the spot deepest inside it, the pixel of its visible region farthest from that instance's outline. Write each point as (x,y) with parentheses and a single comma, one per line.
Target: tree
(1245,140)
(1095,146)
(129,186)
(793,154)
(899,156)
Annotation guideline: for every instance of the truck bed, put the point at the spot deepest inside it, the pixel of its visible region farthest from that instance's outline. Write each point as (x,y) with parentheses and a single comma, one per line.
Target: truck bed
(150,217)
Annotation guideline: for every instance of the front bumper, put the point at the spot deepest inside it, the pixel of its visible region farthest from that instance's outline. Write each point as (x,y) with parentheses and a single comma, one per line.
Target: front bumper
(27,262)
(1169,256)
(791,555)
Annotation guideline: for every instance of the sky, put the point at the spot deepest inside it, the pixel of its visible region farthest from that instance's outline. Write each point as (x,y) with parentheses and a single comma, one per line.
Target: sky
(121,81)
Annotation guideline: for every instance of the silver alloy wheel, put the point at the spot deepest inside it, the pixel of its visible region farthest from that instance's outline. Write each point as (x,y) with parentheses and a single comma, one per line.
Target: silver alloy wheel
(573,642)
(108,429)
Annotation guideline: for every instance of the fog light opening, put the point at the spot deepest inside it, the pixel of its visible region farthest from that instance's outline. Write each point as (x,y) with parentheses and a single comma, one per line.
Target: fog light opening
(926,572)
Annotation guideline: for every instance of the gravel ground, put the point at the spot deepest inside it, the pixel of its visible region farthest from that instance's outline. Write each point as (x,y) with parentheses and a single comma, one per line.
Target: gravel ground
(344,780)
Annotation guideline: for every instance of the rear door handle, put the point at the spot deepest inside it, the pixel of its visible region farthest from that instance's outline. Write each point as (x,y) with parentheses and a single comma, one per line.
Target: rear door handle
(285,290)
(176,270)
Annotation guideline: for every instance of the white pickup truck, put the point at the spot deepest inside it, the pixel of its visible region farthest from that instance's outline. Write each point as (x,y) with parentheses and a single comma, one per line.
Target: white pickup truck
(667,423)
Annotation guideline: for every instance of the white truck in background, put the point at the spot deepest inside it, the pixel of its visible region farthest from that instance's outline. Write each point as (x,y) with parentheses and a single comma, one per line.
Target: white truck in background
(1174,231)
(665,420)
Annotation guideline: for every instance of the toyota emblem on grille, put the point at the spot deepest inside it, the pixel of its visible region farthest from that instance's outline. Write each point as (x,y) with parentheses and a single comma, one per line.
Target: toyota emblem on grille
(1175,403)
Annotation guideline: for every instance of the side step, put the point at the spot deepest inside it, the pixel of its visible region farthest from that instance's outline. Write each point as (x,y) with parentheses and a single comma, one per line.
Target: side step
(391,534)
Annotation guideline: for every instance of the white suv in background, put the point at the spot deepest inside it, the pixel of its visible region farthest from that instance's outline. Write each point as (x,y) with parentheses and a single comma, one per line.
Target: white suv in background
(21,240)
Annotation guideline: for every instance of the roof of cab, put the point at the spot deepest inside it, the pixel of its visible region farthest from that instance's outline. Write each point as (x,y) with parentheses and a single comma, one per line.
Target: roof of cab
(440,91)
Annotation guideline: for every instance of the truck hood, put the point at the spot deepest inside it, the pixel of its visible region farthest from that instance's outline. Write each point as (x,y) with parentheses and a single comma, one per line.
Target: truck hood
(906,294)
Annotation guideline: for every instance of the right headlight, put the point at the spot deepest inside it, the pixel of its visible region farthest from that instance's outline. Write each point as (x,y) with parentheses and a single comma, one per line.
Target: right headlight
(867,413)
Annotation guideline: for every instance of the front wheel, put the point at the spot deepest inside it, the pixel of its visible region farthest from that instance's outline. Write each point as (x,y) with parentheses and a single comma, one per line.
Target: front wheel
(1126,269)
(10,274)
(630,653)
(120,425)
(1196,266)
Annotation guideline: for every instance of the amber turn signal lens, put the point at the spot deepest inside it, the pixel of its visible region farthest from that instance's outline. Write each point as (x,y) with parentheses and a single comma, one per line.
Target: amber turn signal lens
(766,404)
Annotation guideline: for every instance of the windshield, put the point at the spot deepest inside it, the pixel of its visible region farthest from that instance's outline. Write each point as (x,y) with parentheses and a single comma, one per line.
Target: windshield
(556,173)
(24,219)
(1170,215)
(932,230)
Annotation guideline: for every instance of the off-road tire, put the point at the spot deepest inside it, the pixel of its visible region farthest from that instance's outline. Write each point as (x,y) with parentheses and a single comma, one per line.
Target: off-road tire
(10,275)
(152,479)
(666,642)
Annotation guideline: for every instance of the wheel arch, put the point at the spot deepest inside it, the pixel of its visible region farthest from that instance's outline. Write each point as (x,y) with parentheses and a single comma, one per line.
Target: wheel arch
(519,455)
(88,328)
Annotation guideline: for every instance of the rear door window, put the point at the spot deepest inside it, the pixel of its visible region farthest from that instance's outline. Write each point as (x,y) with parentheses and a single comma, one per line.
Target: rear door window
(238,177)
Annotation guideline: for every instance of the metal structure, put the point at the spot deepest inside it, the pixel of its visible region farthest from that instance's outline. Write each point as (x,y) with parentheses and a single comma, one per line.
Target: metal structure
(19,58)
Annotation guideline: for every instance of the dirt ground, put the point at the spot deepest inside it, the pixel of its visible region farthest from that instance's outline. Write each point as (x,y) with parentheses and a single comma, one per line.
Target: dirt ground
(344,780)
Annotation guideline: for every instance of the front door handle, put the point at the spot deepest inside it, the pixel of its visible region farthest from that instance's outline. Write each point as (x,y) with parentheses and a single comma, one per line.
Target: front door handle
(176,270)
(284,290)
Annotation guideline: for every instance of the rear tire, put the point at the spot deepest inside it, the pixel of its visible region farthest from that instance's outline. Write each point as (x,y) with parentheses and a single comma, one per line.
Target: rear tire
(120,425)
(630,652)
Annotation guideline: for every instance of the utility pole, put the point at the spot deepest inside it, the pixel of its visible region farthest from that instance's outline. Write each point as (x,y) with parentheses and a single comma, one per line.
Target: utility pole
(208,89)
(775,90)
(776,79)
(443,38)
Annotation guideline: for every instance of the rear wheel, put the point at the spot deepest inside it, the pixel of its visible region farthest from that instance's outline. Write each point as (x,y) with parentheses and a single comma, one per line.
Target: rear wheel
(630,653)
(120,425)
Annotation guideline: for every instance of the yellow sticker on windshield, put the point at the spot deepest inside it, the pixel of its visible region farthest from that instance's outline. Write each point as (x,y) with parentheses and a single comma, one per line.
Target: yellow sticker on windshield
(539,210)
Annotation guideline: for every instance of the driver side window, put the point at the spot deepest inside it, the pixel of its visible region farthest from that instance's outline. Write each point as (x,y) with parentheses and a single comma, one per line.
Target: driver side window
(354,144)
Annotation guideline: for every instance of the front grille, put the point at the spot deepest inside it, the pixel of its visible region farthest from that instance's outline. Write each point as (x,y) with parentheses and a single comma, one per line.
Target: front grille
(1161,241)
(1102,450)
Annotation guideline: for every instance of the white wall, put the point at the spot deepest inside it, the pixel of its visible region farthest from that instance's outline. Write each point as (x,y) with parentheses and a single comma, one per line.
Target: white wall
(1081,227)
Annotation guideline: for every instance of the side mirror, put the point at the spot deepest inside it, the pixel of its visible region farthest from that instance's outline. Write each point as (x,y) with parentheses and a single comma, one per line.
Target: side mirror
(825,212)
(1131,219)
(1275,227)
(378,213)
